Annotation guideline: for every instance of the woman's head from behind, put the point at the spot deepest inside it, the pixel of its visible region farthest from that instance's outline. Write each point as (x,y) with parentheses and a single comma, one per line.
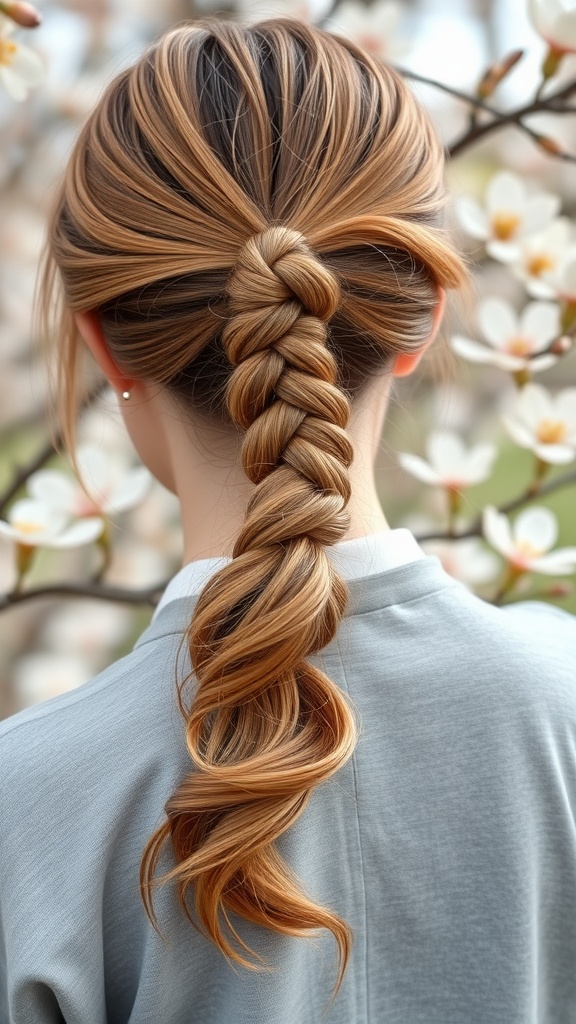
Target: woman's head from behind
(251,218)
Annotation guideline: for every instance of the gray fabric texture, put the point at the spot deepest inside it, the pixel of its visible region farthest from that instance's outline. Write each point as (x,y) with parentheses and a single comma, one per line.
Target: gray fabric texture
(448,841)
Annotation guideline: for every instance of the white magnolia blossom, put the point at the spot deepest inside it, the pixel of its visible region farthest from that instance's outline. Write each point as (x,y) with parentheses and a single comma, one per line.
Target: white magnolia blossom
(541,257)
(34,524)
(562,279)
(512,341)
(374,27)
(112,486)
(466,560)
(510,215)
(450,464)
(526,544)
(555,21)
(544,423)
(20,67)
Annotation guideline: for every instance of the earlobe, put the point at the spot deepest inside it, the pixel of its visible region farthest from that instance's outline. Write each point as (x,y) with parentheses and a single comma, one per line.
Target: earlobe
(407,362)
(89,327)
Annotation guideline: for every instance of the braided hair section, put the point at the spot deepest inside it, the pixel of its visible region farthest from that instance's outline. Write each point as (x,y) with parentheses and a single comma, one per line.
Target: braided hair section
(265,727)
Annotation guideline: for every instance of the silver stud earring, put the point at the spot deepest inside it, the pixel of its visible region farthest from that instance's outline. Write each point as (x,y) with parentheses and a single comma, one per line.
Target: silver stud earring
(126,396)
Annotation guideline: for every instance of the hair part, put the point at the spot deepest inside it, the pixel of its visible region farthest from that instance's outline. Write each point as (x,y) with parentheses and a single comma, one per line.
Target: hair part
(255,215)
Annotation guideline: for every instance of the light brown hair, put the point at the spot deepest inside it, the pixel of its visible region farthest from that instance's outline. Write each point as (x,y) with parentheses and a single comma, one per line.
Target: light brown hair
(255,215)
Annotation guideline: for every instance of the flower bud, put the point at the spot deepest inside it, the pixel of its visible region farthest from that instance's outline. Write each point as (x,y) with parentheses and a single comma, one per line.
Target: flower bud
(548,145)
(494,75)
(552,62)
(22,13)
(560,589)
(561,346)
(568,319)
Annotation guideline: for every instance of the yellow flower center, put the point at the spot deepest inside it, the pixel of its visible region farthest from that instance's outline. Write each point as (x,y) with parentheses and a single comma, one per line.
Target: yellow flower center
(551,431)
(519,347)
(25,527)
(7,51)
(539,263)
(504,225)
(527,550)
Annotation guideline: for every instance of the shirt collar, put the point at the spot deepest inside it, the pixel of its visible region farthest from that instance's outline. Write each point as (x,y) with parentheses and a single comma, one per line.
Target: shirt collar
(353,559)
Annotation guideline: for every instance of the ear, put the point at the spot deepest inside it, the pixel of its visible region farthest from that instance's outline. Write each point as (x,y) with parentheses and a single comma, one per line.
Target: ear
(89,326)
(406,362)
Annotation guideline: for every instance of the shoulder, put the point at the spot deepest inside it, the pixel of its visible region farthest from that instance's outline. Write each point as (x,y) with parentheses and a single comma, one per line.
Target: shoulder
(546,631)
(522,655)
(450,642)
(78,742)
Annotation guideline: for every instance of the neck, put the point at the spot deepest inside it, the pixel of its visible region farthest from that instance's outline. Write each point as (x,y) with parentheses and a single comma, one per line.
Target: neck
(214,492)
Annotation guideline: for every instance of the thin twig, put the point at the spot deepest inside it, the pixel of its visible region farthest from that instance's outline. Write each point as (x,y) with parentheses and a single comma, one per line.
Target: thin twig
(500,118)
(24,472)
(512,117)
(121,595)
(475,528)
(48,449)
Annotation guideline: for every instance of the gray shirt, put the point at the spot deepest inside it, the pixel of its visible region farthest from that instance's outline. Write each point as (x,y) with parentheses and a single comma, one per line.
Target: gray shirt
(448,841)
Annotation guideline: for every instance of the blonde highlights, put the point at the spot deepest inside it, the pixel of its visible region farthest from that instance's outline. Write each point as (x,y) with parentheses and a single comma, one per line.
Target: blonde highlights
(254,214)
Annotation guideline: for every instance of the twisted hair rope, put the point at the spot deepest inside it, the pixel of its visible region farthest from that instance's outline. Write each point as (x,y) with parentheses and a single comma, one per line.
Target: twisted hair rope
(266,727)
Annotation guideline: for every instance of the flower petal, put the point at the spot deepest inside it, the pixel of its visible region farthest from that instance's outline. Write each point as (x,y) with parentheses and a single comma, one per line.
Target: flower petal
(24,71)
(565,31)
(472,350)
(519,432)
(498,321)
(129,490)
(540,321)
(540,363)
(534,404)
(97,469)
(446,453)
(82,532)
(472,217)
(497,531)
(566,407)
(37,514)
(505,193)
(561,562)
(568,280)
(8,531)
(419,468)
(537,288)
(13,85)
(7,26)
(53,488)
(504,252)
(536,526)
(543,14)
(540,210)
(555,454)
(479,462)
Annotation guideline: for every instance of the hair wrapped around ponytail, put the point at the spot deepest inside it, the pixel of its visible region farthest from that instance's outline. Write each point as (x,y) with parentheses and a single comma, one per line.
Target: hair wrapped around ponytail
(265,726)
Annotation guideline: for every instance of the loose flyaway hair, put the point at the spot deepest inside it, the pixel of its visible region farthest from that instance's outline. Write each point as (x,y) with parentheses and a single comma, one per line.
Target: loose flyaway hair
(254,213)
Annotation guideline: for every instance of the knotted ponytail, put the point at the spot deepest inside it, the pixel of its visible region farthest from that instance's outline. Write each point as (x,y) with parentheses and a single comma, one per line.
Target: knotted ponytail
(265,726)
(254,214)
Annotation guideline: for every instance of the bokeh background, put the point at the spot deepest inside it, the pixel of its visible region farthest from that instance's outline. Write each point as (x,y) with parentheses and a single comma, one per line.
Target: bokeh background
(48,646)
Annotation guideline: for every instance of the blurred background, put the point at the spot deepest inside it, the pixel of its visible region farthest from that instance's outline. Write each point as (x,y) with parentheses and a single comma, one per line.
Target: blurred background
(48,646)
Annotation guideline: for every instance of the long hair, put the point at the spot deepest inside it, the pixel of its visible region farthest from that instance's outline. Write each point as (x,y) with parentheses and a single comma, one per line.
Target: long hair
(255,216)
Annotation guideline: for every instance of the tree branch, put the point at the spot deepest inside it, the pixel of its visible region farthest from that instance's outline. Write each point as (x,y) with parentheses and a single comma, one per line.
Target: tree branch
(147,596)
(48,449)
(549,104)
(475,529)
